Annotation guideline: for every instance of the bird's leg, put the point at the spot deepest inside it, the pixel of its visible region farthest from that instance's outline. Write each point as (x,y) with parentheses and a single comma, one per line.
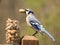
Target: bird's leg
(35,33)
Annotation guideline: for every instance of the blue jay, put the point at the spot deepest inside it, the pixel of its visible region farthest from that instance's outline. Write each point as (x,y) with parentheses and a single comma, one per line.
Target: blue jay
(33,22)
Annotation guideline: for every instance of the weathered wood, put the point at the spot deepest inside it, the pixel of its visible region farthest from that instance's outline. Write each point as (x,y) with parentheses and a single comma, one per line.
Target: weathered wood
(30,40)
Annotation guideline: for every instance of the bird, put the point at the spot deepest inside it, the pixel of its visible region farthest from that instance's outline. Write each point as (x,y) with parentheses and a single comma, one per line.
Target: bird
(32,21)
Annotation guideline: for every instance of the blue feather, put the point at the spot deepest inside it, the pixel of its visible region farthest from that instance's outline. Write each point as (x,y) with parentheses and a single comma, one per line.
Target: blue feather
(35,25)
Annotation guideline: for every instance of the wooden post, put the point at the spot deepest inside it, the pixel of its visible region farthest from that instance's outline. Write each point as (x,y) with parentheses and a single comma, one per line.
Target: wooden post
(30,40)
(12,32)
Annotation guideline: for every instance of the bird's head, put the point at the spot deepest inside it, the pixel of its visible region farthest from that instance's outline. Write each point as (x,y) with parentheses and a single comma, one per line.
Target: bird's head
(26,11)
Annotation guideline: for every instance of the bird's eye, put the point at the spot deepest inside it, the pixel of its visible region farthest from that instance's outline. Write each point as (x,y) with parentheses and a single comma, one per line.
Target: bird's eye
(30,12)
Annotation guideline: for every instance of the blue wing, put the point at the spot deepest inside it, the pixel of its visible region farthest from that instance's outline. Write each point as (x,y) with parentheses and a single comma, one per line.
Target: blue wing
(35,24)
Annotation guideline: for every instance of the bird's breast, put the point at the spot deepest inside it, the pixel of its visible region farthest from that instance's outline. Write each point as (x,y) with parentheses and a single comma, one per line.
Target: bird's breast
(27,20)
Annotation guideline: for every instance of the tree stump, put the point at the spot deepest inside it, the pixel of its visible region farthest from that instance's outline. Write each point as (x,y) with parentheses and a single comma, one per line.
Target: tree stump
(30,40)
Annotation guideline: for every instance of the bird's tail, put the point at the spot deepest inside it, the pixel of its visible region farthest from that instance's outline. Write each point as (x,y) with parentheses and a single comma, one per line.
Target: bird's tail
(46,32)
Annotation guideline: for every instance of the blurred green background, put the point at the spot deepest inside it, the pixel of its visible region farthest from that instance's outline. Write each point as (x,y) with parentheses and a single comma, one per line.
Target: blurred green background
(46,11)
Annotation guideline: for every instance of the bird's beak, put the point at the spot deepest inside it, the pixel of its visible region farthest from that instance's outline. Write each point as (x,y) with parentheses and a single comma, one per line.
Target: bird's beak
(22,10)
